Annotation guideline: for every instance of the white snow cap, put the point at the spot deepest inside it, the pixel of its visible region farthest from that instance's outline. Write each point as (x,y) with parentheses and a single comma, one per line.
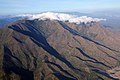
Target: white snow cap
(63,17)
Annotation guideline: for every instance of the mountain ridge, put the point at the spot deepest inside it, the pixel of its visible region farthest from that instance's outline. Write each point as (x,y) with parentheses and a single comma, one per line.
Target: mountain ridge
(45,49)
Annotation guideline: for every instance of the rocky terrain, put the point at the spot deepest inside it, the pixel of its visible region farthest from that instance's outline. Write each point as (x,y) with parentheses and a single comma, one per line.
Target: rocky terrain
(57,50)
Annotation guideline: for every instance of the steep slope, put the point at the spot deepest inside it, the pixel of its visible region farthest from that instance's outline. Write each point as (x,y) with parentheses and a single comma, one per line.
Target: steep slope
(56,50)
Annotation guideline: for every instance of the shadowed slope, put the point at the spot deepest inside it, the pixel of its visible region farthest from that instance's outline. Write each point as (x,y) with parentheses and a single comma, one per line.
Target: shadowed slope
(9,66)
(40,40)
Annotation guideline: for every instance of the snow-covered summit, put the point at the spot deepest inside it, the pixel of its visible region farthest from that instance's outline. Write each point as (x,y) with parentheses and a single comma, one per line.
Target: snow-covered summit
(62,17)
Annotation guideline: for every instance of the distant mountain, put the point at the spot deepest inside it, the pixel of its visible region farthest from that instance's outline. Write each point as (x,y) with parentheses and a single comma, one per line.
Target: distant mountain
(55,48)
(8,19)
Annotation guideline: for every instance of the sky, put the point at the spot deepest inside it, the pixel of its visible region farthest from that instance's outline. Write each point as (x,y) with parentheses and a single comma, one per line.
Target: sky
(37,6)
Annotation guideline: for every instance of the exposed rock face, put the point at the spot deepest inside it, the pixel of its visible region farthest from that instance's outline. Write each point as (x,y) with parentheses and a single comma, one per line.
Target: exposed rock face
(56,50)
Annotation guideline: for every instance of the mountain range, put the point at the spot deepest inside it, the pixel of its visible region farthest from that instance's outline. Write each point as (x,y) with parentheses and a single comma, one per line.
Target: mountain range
(59,46)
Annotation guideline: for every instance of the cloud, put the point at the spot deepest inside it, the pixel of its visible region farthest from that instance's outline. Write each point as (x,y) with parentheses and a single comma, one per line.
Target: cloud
(62,17)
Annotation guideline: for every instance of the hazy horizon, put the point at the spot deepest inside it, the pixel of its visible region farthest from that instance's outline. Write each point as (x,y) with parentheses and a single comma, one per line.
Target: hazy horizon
(36,6)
